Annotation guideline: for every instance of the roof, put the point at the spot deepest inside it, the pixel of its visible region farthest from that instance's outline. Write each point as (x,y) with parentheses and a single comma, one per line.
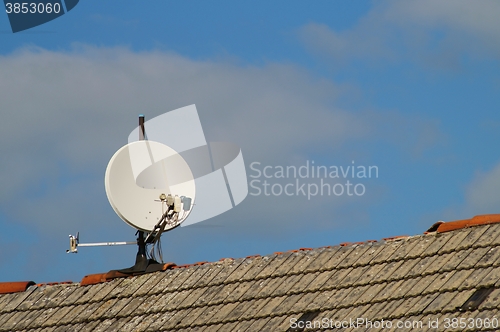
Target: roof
(443,274)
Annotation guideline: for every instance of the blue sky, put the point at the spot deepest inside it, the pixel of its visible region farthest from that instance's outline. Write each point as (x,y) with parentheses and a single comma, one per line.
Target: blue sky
(411,87)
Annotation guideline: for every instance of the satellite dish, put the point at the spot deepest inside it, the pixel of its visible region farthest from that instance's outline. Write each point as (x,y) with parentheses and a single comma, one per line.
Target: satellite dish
(150,187)
(146,179)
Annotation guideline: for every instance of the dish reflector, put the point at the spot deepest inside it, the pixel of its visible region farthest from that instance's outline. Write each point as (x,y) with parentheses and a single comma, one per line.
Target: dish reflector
(142,172)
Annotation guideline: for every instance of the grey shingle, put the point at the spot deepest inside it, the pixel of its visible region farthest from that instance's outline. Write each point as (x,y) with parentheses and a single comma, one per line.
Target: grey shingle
(71,315)
(142,324)
(243,326)
(439,281)
(284,286)
(228,327)
(423,302)
(15,318)
(438,243)
(275,323)
(421,246)
(387,251)
(287,304)
(205,316)
(407,247)
(319,263)
(371,292)
(177,320)
(319,282)
(356,292)
(421,285)
(259,325)
(131,324)
(101,309)
(383,309)
(151,280)
(352,255)
(134,285)
(406,306)
(209,271)
(85,311)
(336,298)
(336,278)
(474,256)
(490,258)
(387,290)
(421,267)
(15,300)
(192,316)
(238,310)
(23,319)
(270,305)
(93,293)
(136,306)
(356,274)
(237,271)
(170,281)
(223,293)
(231,268)
(303,282)
(404,269)
(455,259)
(44,319)
(159,320)
(402,288)
(386,272)
(160,301)
(118,323)
(90,326)
(456,280)
(288,264)
(224,311)
(175,300)
(454,243)
(475,235)
(458,300)
(301,263)
(253,308)
(58,315)
(115,309)
(197,274)
(493,277)
(439,303)
(476,278)
(275,262)
(103,325)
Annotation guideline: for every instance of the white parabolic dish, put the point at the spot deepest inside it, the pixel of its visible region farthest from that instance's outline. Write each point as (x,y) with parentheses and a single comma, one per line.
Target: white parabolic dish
(136,176)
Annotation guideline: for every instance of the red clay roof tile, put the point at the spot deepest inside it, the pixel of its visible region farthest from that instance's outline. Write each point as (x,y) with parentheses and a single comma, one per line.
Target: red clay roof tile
(475,221)
(14,287)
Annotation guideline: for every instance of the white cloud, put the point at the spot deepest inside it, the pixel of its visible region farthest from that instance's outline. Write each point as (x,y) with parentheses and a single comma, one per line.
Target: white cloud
(483,193)
(435,32)
(68,112)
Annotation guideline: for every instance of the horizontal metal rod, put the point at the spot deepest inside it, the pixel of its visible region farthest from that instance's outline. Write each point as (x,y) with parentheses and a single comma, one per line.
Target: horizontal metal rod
(98,244)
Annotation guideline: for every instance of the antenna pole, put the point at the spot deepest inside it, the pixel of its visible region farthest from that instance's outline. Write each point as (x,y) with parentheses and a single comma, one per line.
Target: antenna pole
(142,132)
(142,263)
(141,260)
